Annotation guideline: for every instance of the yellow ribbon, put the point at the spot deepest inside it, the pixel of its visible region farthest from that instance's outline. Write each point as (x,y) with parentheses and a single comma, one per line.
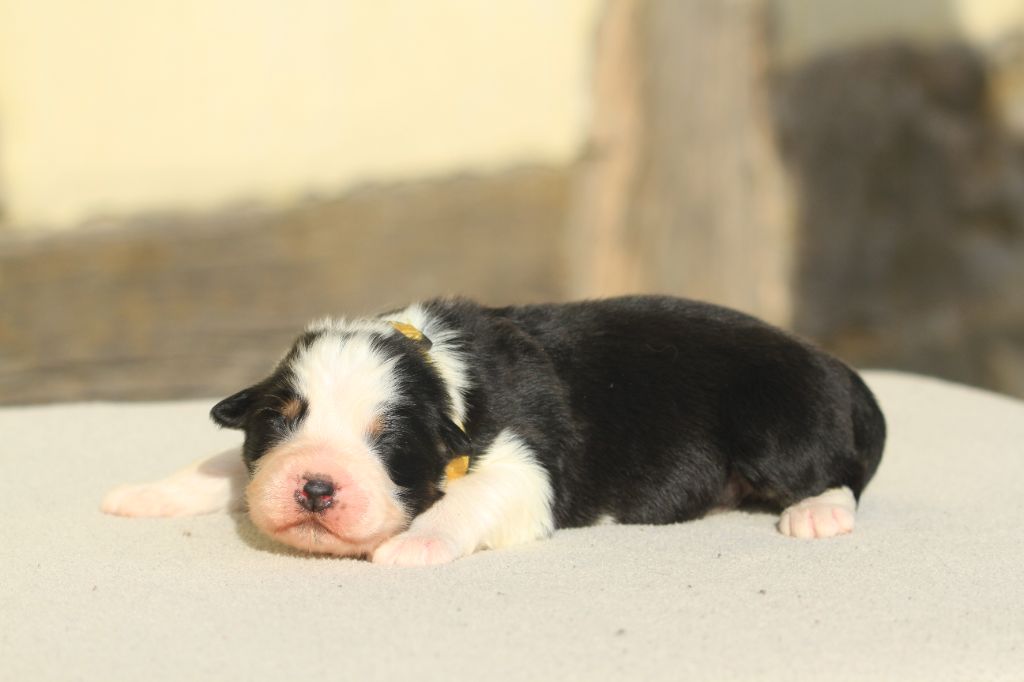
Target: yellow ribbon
(457,468)
(408,331)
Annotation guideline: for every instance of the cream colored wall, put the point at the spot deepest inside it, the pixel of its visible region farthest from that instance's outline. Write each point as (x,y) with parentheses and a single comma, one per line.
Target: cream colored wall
(990,21)
(115,106)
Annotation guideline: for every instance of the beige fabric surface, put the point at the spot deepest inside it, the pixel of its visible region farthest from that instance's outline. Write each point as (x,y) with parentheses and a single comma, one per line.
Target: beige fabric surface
(929,587)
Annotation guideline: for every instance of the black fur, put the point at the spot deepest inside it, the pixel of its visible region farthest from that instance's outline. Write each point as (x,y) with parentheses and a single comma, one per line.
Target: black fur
(259,411)
(651,409)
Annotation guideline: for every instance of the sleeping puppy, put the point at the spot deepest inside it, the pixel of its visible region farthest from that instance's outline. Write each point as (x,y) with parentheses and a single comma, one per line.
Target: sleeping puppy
(426,434)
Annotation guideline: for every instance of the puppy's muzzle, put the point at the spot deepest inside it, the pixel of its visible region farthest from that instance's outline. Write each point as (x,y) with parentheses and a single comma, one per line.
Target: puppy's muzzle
(316,495)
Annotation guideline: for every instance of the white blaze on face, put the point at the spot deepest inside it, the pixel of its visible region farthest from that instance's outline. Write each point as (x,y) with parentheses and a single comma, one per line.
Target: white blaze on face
(346,384)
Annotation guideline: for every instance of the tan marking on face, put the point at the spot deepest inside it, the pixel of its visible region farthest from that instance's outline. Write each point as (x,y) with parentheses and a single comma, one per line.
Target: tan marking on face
(292,409)
(375,427)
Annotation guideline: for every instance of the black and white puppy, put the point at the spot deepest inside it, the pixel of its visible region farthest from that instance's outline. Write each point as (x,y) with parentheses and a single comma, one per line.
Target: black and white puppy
(426,434)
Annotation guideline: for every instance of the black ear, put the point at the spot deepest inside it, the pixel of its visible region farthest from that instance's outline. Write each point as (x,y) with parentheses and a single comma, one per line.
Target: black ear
(454,438)
(231,411)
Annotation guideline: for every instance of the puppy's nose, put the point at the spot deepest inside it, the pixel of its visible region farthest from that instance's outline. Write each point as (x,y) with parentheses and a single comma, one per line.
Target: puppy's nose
(318,487)
(316,495)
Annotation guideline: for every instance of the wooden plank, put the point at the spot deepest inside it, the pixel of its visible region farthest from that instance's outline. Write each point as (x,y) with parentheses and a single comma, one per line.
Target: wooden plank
(175,305)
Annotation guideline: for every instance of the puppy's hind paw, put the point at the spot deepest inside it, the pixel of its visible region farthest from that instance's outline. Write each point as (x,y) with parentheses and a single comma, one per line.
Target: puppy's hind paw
(153,499)
(823,516)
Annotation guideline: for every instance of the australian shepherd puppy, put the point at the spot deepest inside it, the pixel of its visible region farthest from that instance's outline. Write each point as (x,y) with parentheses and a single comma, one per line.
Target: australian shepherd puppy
(428,433)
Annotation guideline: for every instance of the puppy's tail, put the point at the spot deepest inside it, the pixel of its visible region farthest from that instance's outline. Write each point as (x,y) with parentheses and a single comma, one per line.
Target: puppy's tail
(868,430)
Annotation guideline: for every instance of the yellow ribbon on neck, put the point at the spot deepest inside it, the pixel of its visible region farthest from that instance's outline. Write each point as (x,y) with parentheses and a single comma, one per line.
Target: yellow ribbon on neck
(457,468)
(408,331)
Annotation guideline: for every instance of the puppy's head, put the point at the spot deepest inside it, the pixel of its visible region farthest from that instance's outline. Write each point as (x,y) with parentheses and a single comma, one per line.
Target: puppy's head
(348,439)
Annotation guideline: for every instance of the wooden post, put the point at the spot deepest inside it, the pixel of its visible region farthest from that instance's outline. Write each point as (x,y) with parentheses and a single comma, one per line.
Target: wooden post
(682,190)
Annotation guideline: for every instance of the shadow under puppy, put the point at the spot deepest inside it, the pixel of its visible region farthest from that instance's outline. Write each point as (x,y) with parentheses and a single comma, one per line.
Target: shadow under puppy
(426,434)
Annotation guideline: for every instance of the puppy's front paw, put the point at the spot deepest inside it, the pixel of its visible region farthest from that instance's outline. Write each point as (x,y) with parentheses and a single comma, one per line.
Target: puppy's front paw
(829,514)
(416,549)
(151,499)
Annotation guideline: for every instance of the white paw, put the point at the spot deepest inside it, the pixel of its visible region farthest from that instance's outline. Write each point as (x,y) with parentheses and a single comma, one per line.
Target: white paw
(415,549)
(152,499)
(823,516)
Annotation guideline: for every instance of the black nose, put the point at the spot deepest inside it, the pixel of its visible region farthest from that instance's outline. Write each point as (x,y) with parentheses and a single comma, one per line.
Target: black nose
(318,487)
(316,495)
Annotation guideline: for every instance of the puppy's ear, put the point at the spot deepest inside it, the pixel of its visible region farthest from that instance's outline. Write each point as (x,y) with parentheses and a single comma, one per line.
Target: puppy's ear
(231,411)
(454,438)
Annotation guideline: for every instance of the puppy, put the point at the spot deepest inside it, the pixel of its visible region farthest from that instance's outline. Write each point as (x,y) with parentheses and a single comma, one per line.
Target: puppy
(426,434)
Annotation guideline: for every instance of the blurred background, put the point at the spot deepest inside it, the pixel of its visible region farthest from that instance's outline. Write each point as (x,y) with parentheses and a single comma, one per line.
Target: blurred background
(185,183)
